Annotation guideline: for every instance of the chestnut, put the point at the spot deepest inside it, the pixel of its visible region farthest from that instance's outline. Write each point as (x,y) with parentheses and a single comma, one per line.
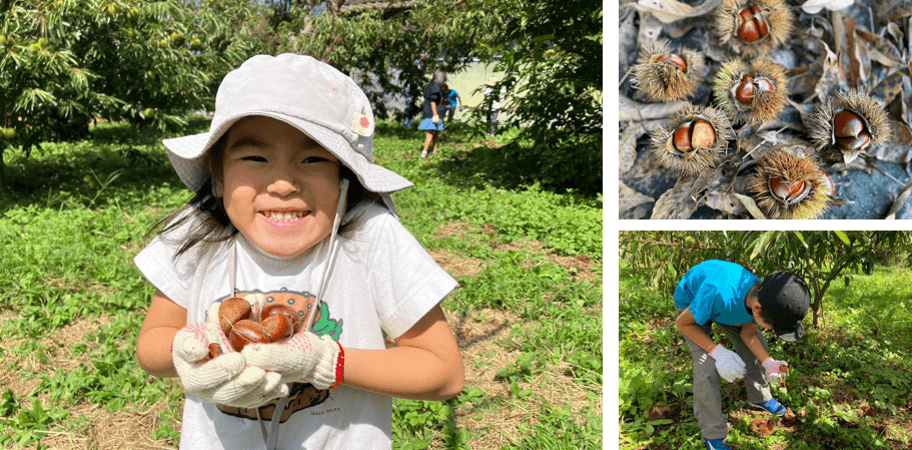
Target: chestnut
(674,59)
(282,309)
(788,192)
(753,24)
(696,134)
(850,131)
(232,310)
(247,332)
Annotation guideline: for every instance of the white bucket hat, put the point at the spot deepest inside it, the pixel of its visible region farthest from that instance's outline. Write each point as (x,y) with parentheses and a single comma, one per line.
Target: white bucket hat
(309,95)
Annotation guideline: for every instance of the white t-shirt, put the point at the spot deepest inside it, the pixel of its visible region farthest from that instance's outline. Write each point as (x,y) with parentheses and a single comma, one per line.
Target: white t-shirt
(382,282)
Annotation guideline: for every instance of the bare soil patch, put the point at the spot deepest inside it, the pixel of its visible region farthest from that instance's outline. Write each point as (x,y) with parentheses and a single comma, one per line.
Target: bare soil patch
(579,266)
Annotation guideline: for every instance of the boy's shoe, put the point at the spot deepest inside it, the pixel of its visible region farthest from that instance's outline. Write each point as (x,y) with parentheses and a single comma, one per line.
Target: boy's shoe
(424,154)
(772,407)
(716,444)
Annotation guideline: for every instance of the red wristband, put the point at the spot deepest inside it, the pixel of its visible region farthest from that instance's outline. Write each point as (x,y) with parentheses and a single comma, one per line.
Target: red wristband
(340,367)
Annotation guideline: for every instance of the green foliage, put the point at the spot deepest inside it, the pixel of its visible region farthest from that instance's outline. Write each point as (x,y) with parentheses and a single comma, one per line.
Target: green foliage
(77,215)
(551,56)
(819,256)
(836,372)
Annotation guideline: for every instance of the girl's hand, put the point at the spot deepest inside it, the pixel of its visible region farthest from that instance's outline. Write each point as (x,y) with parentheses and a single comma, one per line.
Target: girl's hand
(775,370)
(226,379)
(303,358)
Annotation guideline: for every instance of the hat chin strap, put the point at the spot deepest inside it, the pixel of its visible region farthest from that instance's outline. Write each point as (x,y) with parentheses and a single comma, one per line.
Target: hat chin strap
(273,434)
(340,207)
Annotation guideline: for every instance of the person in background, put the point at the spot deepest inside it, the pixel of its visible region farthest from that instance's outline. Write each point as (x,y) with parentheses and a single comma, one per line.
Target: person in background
(453,102)
(431,109)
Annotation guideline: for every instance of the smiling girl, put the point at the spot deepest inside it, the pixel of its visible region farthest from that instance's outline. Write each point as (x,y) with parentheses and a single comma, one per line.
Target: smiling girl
(290,210)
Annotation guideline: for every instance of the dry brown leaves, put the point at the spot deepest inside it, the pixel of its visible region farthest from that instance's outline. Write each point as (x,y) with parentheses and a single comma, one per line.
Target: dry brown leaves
(837,45)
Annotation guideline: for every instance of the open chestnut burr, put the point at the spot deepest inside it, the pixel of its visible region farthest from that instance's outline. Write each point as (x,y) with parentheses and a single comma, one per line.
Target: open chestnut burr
(844,128)
(663,75)
(788,185)
(753,27)
(697,137)
(754,93)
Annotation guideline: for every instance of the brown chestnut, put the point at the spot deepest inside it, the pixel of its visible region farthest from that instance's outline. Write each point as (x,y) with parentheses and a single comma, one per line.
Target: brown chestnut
(247,332)
(674,59)
(753,24)
(786,191)
(278,327)
(231,311)
(749,86)
(694,135)
(283,309)
(783,369)
(850,131)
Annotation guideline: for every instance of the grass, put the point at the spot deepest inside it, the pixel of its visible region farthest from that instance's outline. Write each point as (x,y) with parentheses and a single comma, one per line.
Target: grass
(527,314)
(849,382)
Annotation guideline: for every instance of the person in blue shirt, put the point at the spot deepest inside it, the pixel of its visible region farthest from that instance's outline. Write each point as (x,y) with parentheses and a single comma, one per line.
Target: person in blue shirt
(452,102)
(740,304)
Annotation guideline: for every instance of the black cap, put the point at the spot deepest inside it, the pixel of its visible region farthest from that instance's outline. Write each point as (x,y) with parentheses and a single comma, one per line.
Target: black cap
(785,299)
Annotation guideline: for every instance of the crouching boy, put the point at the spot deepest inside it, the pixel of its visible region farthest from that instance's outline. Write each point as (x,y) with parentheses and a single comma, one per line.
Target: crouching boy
(739,303)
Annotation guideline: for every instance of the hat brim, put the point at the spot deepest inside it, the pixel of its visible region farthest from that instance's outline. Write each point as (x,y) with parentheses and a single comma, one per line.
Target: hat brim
(187,154)
(790,335)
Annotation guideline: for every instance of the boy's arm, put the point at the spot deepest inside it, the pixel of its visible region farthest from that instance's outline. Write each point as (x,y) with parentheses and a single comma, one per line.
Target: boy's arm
(687,324)
(749,336)
(153,348)
(425,364)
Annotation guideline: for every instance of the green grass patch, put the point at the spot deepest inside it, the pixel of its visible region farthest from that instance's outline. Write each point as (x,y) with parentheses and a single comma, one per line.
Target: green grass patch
(858,360)
(73,216)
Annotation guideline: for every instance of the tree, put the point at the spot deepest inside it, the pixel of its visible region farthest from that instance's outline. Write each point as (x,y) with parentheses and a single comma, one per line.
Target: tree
(821,257)
(66,63)
(551,56)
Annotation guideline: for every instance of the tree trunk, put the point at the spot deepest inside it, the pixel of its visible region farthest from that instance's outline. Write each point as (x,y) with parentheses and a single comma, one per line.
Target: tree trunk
(2,169)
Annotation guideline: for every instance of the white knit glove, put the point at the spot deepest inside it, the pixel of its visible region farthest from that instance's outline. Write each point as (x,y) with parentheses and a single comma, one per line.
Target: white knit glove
(436,119)
(227,379)
(774,373)
(728,363)
(303,358)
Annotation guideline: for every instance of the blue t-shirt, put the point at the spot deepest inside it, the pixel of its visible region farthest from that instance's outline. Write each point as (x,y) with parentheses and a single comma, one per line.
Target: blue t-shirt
(715,290)
(451,98)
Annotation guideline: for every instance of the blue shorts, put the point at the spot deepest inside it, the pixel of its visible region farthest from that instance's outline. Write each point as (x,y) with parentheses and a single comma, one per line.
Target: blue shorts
(429,125)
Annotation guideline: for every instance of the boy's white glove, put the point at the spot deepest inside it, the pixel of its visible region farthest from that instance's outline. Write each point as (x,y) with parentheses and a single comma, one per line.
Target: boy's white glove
(436,119)
(729,365)
(303,358)
(775,370)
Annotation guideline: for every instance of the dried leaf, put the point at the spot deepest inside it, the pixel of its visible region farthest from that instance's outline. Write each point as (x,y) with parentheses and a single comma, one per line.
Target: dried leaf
(669,11)
(633,110)
(899,13)
(844,31)
(887,90)
(628,145)
(751,206)
(676,203)
(727,202)
(630,200)
(900,202)
(881,45)
(830,80)
(814,6)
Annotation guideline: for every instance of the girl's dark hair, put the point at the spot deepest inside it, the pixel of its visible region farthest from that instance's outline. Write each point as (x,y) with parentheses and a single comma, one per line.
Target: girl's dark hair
(207,222)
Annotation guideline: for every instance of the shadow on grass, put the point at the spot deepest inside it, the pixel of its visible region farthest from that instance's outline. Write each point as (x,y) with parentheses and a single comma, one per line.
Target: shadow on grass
(115,161)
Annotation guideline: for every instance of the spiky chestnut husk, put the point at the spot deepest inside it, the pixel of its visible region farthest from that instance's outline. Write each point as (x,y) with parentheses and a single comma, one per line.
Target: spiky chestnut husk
(789,186)
(764,105)
(699,157)
(774,15)
(660,76)
(867,108)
